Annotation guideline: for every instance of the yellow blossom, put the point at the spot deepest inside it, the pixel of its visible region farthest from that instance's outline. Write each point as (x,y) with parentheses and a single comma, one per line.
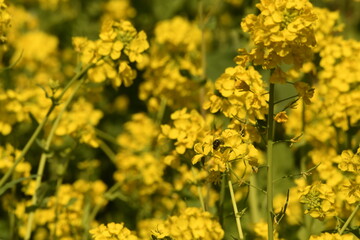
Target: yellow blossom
(282,32)
(281,117)
(350,161)
(332,236)
(319,200)
(191,224)
(112,231)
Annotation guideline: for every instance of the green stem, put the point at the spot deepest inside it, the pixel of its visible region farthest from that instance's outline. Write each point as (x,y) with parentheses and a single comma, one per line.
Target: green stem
(288,98)
(44,157)
(270,165)
(348,221)
(253,200)
(161,112)
(108,151)
(236,212)
(106,136)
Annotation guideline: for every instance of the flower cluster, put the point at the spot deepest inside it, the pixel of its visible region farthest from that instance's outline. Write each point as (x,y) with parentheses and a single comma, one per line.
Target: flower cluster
(191,224)
(219,151)
(175,65)
(62,214)
(116,39)
(79,123)
(187,126)
(112,231)
(282,32)
(319,200)
(333,236)
(8,154)
(15,107)
(119,9)
(242,95)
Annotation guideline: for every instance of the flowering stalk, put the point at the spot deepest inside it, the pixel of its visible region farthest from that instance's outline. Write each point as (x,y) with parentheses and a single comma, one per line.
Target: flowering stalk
(270,142)
(43,158)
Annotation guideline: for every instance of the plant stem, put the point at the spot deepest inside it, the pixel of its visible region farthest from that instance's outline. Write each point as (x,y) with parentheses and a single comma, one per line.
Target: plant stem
(106,136)
(108,151)
(270,170)
(236,212)
(253,200)
(348,221)
(44,157)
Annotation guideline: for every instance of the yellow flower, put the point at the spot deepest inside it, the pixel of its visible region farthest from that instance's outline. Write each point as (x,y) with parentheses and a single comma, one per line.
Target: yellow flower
(333,236)
(187,127)
(112,231)
(80,122)
(350,161)
(243,94)
(282,32)
(305,91)
(191,224)
(119,9)
(126,75)
(319,200)
(351,189)
(281,117)
(136,47)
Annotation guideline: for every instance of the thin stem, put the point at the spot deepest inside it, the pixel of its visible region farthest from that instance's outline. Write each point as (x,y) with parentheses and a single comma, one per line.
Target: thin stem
(236,212)
(282,100)
(161,112)
(108,151)
(44,157)
(270,165)
(348,221)
(106,136)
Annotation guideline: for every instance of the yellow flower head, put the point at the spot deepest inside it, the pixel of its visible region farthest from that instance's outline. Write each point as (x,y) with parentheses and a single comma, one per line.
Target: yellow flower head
(282,32)
(193,223)
(349,161)
(319,200)
(112,231)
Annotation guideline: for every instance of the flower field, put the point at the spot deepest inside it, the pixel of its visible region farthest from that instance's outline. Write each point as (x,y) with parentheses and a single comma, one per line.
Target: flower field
(179,120)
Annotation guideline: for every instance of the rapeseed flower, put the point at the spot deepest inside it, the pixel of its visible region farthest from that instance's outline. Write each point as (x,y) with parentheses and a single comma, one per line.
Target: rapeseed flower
(192,223)
(319,200)
(281,33)
(242,95)
(112,231)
